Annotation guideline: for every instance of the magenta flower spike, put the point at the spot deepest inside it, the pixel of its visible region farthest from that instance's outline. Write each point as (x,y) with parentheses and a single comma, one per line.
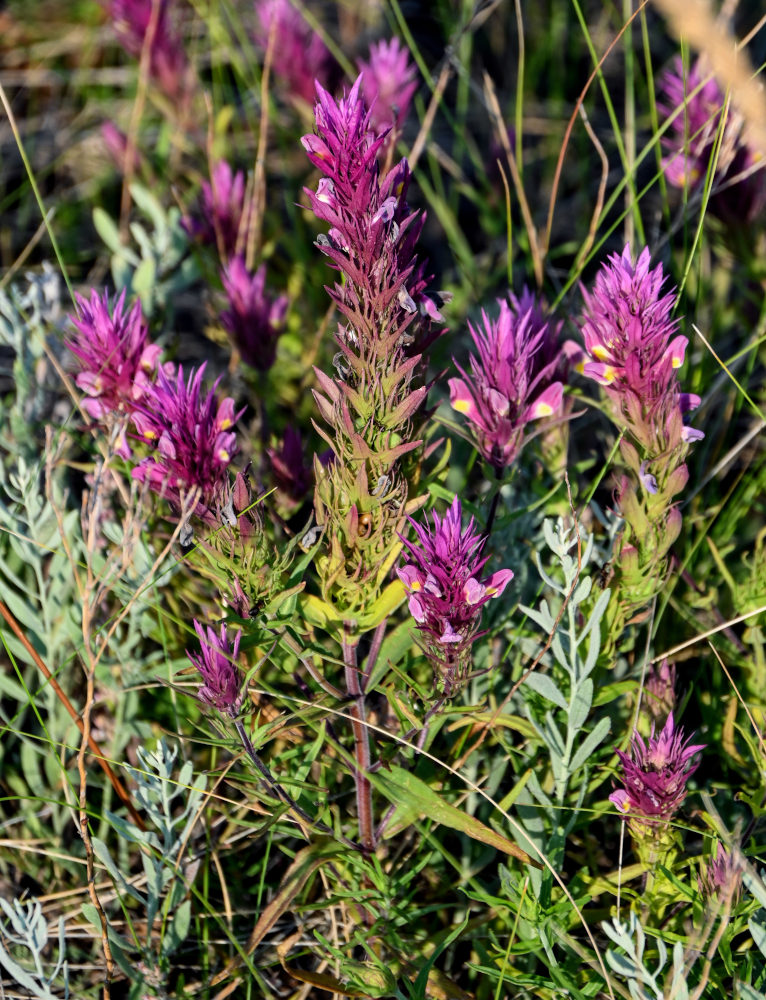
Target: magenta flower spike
(219,219)
(442,576)
(389,82)
(655,774)
(289,470)
(167,63)
(722,877)
(694,102)
(253,319)
(116,143)
(634,349)
(192,438)
(217,663)
(514,380)
(373,233)
(117,361)
(299,56)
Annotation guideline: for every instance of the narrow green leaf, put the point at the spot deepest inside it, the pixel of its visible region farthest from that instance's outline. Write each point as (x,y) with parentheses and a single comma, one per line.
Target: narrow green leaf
(544,685)
(589,745)
(400,786)
(107,229)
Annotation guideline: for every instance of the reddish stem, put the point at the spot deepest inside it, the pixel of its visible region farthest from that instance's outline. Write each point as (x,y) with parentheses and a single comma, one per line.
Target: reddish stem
(361,742)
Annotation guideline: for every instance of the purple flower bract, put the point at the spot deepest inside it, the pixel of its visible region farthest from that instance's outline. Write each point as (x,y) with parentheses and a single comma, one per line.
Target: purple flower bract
(219,219)
(634,350)
(389,81)
(253,319)
(442,577)
(217,663)
(117,360)
(655,773)
(192,439)
(513,380)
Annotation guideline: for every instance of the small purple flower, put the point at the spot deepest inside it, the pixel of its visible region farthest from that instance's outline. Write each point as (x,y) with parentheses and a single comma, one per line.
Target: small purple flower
(389,82)
(514,380)
(192,439)
(253,319)
(655,774)
(291,474)
(132,21)
(116,143)
(722,877)
(217,663)
(648,481)
(219,219)
(446,593)
(117,360)
(299,56)
(660,690)
(694,103)
(634,349)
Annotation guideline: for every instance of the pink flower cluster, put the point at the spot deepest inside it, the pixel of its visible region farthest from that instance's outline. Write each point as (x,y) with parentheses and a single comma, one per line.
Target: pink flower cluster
(218,221)
(373,232)
(217,664)
(633,349)
(693,103)
(655,773)
(192,440)
(389,82)
(299,56)
(117,361)
(253,319)
(515,379)
(123,382)
(133,20)
(442,575)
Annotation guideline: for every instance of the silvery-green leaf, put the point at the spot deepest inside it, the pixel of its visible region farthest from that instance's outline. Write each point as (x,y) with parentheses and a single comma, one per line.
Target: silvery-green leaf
(149,205)
(755,884)
(544,685)
(621,964)
(107,229)
(757,926)
(553,736)
(557,648)
(178,930)
(589,744)
(581,705)
(102,853)
(582,590)
(748,992)
(144,278)
(543,617)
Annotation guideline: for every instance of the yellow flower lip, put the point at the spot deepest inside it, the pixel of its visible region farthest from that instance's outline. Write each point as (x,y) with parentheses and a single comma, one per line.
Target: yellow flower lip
(599,351)
(461,405)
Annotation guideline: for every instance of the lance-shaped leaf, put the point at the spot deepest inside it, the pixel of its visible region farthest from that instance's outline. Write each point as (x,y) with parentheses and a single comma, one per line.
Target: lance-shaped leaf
(403,788)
